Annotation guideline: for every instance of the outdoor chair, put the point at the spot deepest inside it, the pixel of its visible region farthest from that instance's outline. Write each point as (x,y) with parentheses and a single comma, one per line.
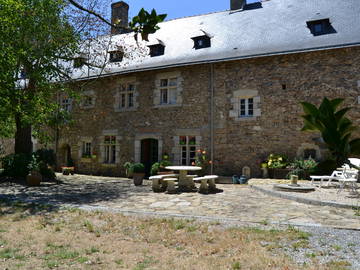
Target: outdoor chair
(349,177)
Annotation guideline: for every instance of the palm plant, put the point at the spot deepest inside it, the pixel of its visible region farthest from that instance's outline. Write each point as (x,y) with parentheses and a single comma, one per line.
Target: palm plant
(335,128)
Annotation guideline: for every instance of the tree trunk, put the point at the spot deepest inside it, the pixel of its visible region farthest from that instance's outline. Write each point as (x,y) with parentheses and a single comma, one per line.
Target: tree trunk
(23,142)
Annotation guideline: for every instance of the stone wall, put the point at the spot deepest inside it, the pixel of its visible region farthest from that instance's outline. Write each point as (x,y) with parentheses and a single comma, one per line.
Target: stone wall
(278,84)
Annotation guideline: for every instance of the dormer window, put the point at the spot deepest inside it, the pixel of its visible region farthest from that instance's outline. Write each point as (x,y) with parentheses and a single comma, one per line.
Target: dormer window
(157,50)
(320,27)
(79,61)
(116,56)
(201,42)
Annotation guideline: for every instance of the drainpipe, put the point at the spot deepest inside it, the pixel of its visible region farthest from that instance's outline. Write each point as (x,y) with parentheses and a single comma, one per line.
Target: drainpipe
(212,118)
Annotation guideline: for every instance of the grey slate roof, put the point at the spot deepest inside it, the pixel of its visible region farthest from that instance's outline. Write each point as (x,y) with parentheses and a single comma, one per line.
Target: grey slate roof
(279,27)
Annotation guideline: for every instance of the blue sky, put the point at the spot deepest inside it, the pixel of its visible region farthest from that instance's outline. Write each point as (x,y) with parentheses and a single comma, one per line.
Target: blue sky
(176,9)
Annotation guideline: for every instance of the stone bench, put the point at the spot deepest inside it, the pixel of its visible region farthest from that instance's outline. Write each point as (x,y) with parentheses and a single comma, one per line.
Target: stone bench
(158,185)
(170,183)
(207,183)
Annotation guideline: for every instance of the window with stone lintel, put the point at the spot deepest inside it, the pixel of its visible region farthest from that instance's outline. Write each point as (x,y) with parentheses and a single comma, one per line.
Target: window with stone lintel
(245,105)
(168,89)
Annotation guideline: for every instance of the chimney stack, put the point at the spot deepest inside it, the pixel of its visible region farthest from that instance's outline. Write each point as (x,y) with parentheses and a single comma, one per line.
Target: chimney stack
(120,17)
(237,4)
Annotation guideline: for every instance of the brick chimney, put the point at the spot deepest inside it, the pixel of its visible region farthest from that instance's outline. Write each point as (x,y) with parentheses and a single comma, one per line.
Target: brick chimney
(120,17)
(237,4)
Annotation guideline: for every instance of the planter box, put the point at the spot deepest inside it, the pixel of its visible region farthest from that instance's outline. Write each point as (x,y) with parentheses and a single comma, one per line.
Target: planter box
(279,173)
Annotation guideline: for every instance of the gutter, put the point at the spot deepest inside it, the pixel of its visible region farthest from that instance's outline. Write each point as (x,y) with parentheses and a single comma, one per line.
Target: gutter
(226,59)
(212,118)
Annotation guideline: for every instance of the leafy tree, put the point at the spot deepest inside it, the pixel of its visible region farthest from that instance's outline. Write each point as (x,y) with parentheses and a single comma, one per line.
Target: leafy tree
(37,37)
(35,34)
(335,128)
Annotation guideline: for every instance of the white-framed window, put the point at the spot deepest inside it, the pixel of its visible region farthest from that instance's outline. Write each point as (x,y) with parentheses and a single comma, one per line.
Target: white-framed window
(88,101)
(127,96)
(86,150)
(66,104)
(246,107)
(109,145)
(168,91)
(188,147)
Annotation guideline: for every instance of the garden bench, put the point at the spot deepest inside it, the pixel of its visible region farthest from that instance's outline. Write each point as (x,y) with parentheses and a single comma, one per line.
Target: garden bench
(207,183)
(158,185)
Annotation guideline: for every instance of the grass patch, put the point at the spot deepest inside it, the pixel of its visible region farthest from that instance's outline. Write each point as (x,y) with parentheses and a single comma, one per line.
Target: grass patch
(11,253)
(65,239)
(338,265)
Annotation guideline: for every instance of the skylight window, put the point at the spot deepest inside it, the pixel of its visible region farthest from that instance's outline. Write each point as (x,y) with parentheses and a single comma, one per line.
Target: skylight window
(157,50)
(320,27)
(79,62)
(201,42)
(116,56)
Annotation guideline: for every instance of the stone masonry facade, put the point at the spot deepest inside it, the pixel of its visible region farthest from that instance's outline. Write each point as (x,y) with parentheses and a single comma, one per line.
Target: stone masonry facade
(274,85)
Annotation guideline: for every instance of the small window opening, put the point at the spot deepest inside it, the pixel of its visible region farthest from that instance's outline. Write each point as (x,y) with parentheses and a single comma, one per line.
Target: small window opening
(201,42)
(320,27)
(79,62)
(309,153)
(157,50)
(116,56)
(254,5)
(283,86)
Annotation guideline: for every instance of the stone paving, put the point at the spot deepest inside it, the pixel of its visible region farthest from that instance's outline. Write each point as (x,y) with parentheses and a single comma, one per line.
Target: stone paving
(236,202)
(325,194)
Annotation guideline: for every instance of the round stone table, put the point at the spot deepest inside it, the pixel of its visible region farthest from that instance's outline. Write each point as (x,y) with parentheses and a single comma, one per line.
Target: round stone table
(185,183)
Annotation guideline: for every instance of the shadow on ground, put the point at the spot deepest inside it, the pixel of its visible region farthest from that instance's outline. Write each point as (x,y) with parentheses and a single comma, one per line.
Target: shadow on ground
(75,191)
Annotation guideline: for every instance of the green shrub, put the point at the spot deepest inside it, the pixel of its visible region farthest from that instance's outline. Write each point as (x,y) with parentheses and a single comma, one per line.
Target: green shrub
(303,167)
(159,166)
(326,167)
(16,165)
(138,168)
(46,156)
(47,172)
(128,168)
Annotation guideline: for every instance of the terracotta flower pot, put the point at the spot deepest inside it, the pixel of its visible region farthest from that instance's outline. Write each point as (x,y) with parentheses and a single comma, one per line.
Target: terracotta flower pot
(138,178)
(34,178)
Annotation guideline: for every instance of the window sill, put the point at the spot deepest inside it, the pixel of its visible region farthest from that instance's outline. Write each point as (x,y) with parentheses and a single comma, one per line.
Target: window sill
(109,165)
(126,110)
(167,106)
(87,107)
(247,118)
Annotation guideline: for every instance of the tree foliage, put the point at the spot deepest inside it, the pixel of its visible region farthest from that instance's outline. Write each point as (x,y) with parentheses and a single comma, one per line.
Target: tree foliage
(38,40)
(146,23)
(335,128)
(35,35)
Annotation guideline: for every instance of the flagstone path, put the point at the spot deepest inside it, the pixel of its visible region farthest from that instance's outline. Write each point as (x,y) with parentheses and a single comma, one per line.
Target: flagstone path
(235,203)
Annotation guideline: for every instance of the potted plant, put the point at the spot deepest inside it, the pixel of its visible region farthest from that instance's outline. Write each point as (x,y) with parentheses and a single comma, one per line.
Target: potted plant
(34,177)
(303,167)
(128,169)
(69,169)
(138,170)
(159,167)
(277,166)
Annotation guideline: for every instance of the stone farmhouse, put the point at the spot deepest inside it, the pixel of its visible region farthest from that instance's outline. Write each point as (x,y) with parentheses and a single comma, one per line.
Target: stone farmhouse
(228,82)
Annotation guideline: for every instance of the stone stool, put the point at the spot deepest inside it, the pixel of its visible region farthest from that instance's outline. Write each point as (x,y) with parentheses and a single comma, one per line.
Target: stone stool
(170,185)
(158,185)
(207,183)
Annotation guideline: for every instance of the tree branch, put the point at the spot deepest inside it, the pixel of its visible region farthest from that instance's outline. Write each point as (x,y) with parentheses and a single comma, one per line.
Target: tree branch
(77,5)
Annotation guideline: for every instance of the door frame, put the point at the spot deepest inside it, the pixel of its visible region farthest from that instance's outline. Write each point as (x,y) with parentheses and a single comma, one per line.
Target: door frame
(142,136)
